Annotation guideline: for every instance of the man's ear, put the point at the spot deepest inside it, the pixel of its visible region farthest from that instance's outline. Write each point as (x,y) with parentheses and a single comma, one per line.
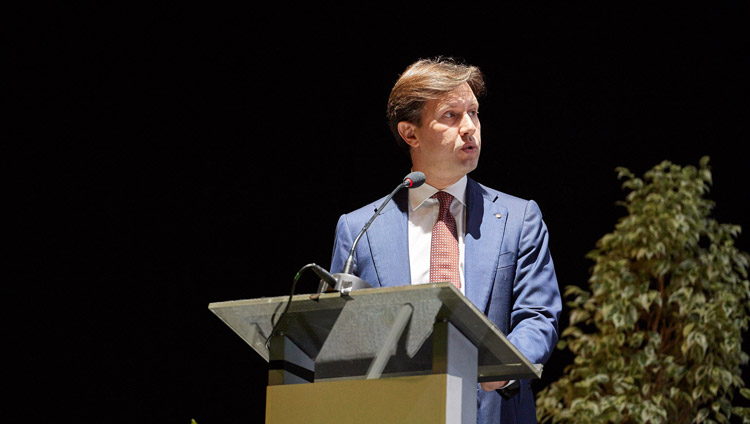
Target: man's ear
(406,131)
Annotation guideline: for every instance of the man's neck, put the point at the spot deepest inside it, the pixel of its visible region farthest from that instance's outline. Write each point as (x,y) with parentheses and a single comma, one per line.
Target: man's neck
(441,183)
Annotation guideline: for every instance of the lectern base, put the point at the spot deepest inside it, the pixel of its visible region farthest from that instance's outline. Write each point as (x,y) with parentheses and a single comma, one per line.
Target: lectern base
(434,398)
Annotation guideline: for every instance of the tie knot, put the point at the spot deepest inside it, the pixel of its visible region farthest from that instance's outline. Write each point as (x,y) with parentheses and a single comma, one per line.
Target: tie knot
(444,198)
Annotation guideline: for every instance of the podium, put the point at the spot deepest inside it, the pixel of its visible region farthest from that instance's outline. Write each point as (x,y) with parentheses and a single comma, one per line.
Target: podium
(406,354)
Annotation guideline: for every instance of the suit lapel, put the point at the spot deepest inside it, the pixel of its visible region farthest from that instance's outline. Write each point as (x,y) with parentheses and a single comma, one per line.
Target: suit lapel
(388,237)
(485,228)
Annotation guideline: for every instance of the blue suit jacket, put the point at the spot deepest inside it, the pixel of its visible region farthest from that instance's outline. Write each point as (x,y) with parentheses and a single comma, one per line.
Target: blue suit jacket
(508,270)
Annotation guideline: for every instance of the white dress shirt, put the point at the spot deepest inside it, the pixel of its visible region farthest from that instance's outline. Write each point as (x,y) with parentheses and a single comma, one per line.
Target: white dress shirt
(423,213)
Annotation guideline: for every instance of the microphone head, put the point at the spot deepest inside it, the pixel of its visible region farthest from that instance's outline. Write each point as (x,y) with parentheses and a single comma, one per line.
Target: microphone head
(414,179)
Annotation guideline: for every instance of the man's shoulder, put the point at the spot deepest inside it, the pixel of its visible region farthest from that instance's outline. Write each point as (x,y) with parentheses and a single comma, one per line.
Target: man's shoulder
(496,196)
(359,213)
(517,210)
(366,211)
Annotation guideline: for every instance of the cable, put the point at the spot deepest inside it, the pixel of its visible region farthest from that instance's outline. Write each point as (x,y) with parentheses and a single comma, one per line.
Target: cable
(289,302)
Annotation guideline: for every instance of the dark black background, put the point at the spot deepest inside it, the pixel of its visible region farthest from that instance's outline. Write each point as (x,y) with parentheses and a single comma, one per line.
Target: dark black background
(168,156)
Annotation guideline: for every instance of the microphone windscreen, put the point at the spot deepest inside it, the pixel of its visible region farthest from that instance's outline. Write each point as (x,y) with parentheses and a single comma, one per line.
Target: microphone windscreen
(414,179)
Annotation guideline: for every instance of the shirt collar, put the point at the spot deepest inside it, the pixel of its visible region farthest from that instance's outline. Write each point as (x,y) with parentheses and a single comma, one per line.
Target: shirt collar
(418,195)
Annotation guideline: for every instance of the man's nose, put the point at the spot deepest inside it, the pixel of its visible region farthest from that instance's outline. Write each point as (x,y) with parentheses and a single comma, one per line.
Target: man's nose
(468,126)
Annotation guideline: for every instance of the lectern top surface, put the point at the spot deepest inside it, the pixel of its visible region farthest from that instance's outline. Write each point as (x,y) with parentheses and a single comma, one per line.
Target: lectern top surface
(333,326)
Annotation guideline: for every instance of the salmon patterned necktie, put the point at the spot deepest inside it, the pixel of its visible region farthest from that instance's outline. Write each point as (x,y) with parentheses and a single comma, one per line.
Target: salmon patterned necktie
(444,247)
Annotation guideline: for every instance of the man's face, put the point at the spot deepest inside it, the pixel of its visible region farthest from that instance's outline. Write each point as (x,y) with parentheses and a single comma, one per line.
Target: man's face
(446,144)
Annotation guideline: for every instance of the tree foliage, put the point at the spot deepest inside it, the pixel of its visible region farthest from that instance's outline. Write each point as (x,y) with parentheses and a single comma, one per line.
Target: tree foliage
(657,338)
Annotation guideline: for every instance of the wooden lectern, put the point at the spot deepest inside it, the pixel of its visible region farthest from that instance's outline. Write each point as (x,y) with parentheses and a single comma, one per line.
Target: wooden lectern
(407,354)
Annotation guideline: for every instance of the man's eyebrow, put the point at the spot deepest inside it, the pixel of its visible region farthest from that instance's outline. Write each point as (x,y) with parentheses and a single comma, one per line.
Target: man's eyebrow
(455,103)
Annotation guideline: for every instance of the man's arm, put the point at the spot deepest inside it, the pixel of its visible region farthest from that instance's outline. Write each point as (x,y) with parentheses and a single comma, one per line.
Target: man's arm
(342,243)
(536,295)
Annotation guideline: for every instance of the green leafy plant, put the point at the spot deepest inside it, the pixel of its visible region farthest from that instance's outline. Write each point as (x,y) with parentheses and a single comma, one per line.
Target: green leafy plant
(657,338)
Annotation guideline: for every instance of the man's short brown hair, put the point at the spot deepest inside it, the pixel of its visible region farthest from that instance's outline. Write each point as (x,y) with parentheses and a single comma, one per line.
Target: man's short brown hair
(428,79)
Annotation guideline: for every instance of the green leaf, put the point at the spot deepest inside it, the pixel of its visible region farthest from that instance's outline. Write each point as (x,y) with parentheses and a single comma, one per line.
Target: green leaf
(702,415)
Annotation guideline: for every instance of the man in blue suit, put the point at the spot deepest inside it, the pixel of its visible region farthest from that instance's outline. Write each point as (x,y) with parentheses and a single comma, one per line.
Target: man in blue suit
(502,260)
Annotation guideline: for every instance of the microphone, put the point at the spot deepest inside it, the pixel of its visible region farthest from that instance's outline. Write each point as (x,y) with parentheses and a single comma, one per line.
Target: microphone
(345,281)
(413,180)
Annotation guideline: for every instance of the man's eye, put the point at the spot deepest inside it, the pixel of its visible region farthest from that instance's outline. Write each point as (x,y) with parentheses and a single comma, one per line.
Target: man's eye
(449,114)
